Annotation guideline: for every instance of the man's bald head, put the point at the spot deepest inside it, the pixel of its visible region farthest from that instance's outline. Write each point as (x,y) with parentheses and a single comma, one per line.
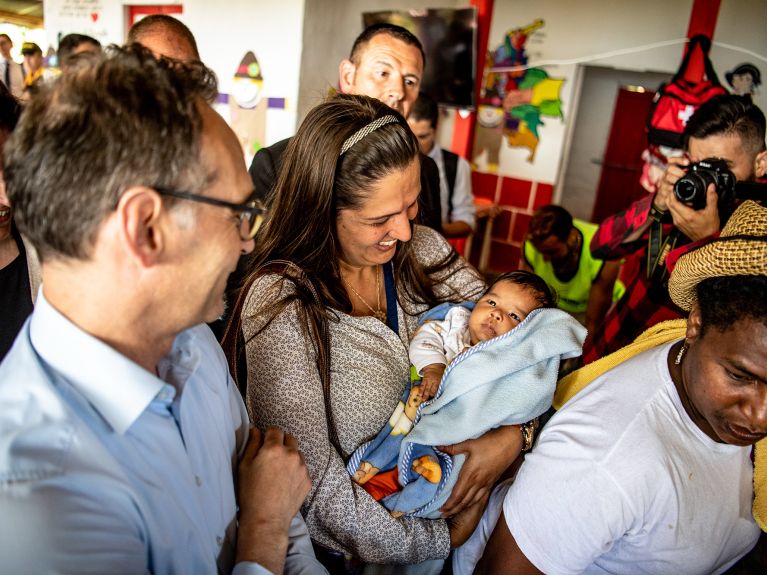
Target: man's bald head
(165,36)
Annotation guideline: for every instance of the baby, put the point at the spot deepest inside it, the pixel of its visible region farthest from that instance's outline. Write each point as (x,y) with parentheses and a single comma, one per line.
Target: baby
(503,307)
(512,297)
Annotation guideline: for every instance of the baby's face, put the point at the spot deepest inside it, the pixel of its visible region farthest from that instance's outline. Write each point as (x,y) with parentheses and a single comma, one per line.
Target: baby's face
(501,309)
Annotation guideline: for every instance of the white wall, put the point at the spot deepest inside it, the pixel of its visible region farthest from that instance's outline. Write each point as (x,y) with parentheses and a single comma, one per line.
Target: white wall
(224,33)
(299,44)
(272,30)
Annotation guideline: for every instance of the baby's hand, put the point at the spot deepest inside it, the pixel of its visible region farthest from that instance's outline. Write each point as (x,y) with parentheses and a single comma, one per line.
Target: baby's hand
(432,375)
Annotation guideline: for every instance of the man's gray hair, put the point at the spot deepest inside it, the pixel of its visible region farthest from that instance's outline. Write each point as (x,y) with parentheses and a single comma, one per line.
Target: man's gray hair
(127,119)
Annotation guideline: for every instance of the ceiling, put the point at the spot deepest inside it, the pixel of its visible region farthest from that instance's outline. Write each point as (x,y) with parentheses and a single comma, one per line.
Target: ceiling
(27,13)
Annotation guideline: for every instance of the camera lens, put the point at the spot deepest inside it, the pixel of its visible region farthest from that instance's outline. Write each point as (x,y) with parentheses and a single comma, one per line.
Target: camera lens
(689,187)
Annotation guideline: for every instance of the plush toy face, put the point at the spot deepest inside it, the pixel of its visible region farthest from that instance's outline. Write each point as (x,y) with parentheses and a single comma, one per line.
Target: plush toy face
(413,401)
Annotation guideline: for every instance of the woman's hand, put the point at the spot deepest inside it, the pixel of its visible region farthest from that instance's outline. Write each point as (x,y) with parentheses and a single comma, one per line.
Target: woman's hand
(461,526)
(487,457)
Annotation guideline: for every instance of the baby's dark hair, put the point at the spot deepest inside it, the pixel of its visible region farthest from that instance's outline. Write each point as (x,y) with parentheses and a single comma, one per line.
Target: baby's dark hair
(543,293)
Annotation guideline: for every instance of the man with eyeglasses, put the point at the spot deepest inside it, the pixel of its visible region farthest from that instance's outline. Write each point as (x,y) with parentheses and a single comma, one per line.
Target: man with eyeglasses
(121,431)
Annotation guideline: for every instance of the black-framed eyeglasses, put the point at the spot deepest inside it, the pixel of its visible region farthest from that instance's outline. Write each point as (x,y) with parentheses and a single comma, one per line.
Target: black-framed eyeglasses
(251,213)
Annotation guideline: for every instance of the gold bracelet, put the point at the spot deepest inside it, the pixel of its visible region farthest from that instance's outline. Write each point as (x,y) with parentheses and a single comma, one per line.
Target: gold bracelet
(528,434)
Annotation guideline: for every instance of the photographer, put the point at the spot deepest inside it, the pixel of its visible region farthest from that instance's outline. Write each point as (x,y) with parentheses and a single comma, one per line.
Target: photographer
(726,128)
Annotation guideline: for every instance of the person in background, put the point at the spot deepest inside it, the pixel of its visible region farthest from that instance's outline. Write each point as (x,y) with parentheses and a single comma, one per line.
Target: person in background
(33,65)
(727,128)
(386,63)
(11,72)
(121,431)
(72,45)
(165,36)
(456,199)
(19,266)
(557,249)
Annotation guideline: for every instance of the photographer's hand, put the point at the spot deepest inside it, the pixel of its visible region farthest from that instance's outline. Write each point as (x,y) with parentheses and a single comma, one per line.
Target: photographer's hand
(677,167)
(696,224)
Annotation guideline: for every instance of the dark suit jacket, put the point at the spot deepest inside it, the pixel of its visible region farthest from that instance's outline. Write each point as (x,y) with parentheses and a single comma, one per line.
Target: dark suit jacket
(266,165)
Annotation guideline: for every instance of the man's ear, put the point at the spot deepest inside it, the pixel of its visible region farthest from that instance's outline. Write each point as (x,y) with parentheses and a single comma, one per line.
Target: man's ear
(694,322)
(760,164)
(346,73)
(139,211)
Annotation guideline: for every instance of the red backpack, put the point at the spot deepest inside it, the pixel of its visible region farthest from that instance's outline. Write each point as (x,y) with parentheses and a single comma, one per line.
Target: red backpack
(674,103)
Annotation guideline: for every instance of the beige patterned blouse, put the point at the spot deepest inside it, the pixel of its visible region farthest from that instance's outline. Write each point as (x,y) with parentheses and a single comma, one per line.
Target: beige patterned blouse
(369,371)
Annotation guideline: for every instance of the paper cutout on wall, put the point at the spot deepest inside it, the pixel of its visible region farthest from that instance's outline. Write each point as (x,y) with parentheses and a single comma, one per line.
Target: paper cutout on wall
(246,106)
(513,103)
(745,79)
(248,82)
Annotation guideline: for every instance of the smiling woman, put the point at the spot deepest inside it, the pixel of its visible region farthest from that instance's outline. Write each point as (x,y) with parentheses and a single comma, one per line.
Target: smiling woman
(339,275)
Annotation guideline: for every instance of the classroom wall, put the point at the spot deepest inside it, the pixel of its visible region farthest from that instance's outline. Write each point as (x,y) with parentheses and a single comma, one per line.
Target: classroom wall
(272,30)
(576,31)
(584,32)
(299,44)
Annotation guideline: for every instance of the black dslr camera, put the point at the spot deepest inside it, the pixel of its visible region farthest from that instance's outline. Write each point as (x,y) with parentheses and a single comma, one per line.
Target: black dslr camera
(691,188)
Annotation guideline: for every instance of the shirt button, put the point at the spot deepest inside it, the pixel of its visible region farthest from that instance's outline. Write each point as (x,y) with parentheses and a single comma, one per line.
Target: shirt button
(220,541)
(197,480)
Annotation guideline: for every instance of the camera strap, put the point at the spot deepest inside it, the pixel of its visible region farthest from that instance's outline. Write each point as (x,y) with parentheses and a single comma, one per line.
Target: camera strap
(658,247)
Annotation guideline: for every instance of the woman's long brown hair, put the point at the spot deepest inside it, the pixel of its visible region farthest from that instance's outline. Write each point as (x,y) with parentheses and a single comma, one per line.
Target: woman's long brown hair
(315,182)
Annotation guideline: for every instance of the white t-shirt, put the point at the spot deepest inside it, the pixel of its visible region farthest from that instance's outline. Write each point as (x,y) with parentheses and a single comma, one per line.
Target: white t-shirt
(622,481)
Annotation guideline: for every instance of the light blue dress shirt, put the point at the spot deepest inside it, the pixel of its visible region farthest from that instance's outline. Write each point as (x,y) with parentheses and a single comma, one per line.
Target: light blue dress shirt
(106,468)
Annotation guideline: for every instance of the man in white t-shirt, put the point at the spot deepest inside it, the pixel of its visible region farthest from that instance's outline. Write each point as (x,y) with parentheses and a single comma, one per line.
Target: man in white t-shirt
(648,469)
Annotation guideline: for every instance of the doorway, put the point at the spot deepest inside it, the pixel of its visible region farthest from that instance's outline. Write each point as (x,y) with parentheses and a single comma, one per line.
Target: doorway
(600,88)
(135,13)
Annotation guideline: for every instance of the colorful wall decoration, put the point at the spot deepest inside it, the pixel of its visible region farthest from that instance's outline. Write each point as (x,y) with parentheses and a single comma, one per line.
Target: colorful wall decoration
(514,99)
(247,107)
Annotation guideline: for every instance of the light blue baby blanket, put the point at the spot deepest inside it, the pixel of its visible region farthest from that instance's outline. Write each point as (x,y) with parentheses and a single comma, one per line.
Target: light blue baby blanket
(506,380)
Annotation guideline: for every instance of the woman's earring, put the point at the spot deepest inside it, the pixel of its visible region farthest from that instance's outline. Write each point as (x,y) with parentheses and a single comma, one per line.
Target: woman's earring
(680,355)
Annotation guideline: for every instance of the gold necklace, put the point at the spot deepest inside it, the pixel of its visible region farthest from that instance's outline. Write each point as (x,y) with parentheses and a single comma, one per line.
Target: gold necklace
(378,313)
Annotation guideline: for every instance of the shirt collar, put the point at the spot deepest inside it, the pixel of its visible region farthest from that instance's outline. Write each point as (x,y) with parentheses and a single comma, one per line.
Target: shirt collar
(118,388)
(436,153)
